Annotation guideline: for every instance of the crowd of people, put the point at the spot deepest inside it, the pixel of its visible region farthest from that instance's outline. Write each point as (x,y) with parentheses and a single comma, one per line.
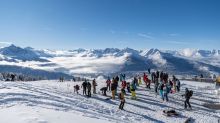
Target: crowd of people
(162,86)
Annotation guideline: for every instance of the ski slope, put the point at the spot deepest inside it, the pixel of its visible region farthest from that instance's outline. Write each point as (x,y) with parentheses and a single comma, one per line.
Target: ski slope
(54,102)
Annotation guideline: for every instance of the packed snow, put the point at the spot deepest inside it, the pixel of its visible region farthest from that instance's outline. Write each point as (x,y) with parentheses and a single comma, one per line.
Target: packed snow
(55,102)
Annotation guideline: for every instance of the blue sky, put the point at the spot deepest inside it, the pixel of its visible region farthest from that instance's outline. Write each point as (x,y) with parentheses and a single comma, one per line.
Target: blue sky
(98,24)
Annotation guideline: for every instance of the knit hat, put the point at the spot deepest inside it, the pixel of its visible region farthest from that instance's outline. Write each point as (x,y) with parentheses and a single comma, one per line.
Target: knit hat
(186,89)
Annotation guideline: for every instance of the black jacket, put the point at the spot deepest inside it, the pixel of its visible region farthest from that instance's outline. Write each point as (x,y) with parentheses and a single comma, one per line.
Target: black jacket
(84,84)
(157,74)
(187,95)
(161,75)
(113,86)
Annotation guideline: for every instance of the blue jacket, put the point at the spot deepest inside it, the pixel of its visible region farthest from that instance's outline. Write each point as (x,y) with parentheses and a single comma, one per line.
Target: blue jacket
(167,90)
(133,87)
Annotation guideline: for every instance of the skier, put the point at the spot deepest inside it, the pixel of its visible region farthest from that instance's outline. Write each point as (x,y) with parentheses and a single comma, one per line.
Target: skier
(177,85)
(113,79)
(170,85)
(157,74)
(117,78)
(76,88)
(123,77)
(113,87)
(108,83)
(122,98)
(89,89)
(133,87)
(167,77)
(12,77)
(153,77)
(161,85)
(144,76)
(156,86)
(149,70)
(187,96)
(214,78)
(84,85)
(139,78)
(161,76)
(60,79)
(136,80)
(94,84)
(167,90)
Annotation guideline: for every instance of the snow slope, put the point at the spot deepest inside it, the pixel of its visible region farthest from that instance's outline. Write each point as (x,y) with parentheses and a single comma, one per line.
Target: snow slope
(53,102)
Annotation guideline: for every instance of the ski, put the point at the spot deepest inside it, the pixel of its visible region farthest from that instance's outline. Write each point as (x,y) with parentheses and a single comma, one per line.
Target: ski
(187,120)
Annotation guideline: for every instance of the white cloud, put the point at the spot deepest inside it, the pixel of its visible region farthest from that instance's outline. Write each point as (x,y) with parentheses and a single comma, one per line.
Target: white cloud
(146,36)
(5,42)
(126,32)
(84,28)
(112,31)
(48,29)
(174,35)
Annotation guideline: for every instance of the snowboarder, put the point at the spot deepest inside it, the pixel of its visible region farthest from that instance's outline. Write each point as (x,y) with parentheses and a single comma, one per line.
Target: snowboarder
(122,98)
(161,85)
(133,87)
(89,89)
(146,80)
(108,83)
(136,80)
(94,84)
(116,83)
(156,86)
(84,85)
(149,70)
(187,96)
(60,79)
(128,87)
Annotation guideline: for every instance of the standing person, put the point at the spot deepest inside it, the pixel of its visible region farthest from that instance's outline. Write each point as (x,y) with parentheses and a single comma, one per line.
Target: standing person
(128,87)
(113,79)
(157,74)
(177,85)
(136,80)
(89,89)
(113,87)
(149,70)
(139,78)
(123,77)
(94,84)
(161,76)
(170,85)
(116,83)
(133,87)
(12,77)
(167,90)
(84,85)
(76,88)
(146,80)
(117,79)
(167,77)
(144,76)
(161,85)
(124,84)
(120,78)
(214,78)
(108,83)
(153,77)
(187,96)
(164,78)
(122,98)
(60,79)
(156,86)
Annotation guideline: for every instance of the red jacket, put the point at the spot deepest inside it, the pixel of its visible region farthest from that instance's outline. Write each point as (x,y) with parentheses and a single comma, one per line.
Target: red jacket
(108,82)
(144,75)
(124,84)
(146,80)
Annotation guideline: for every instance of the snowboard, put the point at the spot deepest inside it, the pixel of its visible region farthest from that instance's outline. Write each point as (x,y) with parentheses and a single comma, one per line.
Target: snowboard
(171,114)
(187,120)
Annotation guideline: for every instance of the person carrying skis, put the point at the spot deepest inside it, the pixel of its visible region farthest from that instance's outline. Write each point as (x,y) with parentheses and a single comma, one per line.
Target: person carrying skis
(187,96)
(89,89)
(108,83)
(161,85)
(149,70)
(133,87)
(122,98)
(94,84)
(84,85)
(113,87)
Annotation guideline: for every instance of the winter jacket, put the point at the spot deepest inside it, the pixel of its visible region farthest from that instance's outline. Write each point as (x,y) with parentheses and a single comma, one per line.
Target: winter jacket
(117,78)
(144,75)
(161,75)
(177,82)
(165,77)
(89,86)
(84,84)
(123,78)
(94,84)
(113,86)
(116,82)
(219,79)
(122,96)
(77,87)
(187,95)
(133,87)
(124,84)
(108,82)
(146,80)
(167,90)
(161,85)
(112,80)
(157,74)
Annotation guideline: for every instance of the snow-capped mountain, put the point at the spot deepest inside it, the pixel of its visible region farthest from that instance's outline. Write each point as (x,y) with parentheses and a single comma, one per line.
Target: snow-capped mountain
(112,61)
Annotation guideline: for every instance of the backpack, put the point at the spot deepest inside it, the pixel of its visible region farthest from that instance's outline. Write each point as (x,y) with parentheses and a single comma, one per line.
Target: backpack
(119,96)
(191,93)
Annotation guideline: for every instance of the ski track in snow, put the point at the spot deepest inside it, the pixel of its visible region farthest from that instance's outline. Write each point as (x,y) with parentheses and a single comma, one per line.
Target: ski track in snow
(56,96)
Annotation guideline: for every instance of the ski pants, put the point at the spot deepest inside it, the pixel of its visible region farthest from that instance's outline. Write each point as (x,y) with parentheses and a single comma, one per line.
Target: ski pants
(84,91)
(166,95)
(133,94)
(113,94)
(121,105)
(148,86)
(187,101)
(139,81)
(177,87)
(89,93)
(161,93)
(108,86)
(156,89)
(94,90)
